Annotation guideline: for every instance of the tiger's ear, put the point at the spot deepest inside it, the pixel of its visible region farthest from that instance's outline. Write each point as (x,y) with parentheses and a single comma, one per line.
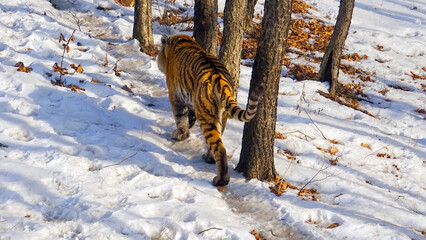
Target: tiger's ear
(164,39)
(161,58)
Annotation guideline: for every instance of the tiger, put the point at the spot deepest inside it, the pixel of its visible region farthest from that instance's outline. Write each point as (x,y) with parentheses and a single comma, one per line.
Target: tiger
(200,89)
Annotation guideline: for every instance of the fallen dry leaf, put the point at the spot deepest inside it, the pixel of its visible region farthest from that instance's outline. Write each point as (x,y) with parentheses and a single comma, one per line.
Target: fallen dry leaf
(279,136)
(422,111)
(383,155)
(333,225)
(21,67)
(384,91)
(334,161)
(106,60)
(257,235)
(280,185)
(221,188)
(287,153)
(78,68)
(333,150)
(62,38)
(416,76)
(57,68)
(309,194)
(365,145)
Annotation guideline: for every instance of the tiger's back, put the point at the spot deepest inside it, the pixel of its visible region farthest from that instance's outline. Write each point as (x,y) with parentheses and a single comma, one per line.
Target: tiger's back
(200,88)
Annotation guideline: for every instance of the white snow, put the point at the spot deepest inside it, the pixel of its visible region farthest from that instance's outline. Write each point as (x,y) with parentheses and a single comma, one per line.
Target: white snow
(100,163)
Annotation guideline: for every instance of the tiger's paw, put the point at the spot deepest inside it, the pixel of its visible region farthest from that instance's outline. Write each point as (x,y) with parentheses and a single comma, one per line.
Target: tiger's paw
(208,158)
(180,135)
(221,181)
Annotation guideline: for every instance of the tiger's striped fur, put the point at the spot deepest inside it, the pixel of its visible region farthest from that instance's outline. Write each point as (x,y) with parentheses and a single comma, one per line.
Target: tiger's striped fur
(200,88)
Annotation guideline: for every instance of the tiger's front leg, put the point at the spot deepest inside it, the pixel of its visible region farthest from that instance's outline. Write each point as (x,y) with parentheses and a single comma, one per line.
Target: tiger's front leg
(180,113)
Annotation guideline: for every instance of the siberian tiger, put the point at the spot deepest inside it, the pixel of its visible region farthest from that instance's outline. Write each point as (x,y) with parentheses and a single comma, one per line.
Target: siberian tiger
(200,89)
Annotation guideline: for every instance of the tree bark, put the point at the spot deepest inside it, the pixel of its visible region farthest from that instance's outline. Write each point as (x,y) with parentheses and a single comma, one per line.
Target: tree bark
(232,40)
(142,26)
(248,28)
(329,70)
(257,153)
(205,24)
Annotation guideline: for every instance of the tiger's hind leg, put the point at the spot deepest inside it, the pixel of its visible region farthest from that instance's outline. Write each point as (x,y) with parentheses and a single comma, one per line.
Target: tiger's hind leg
(180,113)
(208,157)
(217,151)
(191,117)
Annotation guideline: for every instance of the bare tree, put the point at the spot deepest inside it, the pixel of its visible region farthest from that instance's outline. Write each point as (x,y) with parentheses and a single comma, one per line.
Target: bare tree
(142,26)
(205,24)
(330,64)
(257,153)
(232,40)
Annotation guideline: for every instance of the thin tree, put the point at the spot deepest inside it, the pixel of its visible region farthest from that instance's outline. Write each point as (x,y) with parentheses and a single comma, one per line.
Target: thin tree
(232,40)
(205,24)
(249,16)
(257,153)
(329,71)
(142,26)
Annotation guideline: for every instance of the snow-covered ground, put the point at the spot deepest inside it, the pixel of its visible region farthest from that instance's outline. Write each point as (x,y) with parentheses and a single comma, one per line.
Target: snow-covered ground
(99,163)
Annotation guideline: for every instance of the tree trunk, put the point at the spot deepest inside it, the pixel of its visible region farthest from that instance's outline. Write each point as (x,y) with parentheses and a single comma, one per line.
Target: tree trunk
(205,24)
(249,16)
(329,71)
(257,153)
(232,40)
(142,26)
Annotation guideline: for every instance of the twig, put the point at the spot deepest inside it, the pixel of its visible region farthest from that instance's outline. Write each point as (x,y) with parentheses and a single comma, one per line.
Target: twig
(208,229)
(319,130)
(310,181)
(288,167)
(207,193)
(376,151)
(66,49)
(301,99)
(77,20)
(317,180)
(125,159)
(338,100)
(379,220)
(298,131)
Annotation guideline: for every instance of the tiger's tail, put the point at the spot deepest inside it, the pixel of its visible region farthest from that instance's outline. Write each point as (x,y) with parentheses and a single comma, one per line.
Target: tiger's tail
(245,115)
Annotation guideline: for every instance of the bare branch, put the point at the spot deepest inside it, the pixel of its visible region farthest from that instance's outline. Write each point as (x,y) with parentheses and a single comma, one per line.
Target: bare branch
(322,168)
(125,159)
(77,20)
(373,153)
(319,130)
(208,229)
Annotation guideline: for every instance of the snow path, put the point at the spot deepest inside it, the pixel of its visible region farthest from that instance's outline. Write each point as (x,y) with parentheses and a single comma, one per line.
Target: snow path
(58,178)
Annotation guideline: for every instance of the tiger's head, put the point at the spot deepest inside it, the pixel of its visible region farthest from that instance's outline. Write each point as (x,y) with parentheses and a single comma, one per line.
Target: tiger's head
(162,58)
